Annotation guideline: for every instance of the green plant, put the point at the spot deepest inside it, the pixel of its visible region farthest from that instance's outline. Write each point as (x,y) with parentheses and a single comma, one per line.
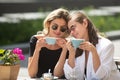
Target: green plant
(106,23)
(12,33)
(11,57)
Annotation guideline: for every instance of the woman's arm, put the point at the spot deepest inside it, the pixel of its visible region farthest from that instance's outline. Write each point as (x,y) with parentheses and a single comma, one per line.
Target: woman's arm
(73,68)
(69,66)
(33,60)
(71,58)
(58,70)
(33,64)
(91,48)
(102,59)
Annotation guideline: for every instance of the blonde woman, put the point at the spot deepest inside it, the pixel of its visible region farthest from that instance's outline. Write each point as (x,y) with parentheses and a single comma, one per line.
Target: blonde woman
(42,55)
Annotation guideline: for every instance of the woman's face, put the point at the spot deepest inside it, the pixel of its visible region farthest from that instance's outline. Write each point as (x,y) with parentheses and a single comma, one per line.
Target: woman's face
(57,28)
(77,30)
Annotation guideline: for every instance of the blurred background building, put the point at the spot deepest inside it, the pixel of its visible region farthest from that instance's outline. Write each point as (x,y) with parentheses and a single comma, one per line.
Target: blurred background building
(15,6)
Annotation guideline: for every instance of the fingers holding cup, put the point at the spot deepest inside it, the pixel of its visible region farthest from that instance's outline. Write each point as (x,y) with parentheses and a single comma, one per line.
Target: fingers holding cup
(61,42)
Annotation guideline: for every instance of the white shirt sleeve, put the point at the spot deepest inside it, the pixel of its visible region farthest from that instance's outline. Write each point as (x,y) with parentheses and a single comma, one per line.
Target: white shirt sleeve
(106,57)
(76,73)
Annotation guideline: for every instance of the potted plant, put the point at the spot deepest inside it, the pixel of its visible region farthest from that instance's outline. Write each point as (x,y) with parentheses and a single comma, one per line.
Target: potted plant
(10,63)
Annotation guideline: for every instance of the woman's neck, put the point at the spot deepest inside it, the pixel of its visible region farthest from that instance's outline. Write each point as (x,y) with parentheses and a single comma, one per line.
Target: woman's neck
(53,47)
(86,37)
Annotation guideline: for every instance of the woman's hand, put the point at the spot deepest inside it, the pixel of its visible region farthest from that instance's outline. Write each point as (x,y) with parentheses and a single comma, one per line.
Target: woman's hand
(41,43)
(61,42)
(87,46)
(72,50)
(90,47)
(70,47)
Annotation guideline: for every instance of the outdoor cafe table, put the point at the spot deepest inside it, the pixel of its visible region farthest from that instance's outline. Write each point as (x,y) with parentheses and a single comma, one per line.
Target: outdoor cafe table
(27,78)
(23,74)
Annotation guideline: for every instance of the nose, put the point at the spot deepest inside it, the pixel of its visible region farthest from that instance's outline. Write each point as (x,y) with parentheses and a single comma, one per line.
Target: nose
(72,32)
(58,31)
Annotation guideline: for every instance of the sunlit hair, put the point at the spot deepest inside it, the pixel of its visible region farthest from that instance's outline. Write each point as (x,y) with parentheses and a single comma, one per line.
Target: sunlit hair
(79,16)
(58,13)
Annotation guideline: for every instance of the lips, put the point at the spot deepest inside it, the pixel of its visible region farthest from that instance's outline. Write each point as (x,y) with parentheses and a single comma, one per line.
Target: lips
(57,35)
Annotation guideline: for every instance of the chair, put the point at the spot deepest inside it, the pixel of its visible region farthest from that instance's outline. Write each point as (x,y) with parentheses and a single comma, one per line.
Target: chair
(117,62)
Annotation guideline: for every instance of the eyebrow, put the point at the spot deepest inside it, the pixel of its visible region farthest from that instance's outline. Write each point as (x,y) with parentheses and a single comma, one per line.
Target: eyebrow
(60,25)
(71,26)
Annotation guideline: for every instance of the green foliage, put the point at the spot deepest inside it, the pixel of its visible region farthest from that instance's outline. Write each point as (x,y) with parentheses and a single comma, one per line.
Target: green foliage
(19,32)
(106,23)
(11,57)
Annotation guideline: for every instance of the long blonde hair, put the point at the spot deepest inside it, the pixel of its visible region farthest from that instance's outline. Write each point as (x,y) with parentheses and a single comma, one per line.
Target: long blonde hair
(58,13)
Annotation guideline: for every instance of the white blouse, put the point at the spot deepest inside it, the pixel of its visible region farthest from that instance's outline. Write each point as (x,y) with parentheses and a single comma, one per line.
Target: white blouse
(106,71)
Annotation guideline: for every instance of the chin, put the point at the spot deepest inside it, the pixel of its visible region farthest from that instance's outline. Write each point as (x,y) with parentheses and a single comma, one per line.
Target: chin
(57,36)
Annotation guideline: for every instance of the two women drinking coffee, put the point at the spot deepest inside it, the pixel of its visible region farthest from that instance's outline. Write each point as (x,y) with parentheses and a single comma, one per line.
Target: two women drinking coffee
(95,61)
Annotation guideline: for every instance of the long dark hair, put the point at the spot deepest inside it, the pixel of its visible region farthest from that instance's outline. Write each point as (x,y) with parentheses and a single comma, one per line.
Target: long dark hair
(92,31)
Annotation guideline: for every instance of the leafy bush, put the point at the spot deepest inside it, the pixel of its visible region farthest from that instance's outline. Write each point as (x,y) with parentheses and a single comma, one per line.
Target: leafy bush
(106,23)
(19,32)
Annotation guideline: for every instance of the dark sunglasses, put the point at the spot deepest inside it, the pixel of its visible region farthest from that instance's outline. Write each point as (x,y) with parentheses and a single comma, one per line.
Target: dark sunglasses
(62,29)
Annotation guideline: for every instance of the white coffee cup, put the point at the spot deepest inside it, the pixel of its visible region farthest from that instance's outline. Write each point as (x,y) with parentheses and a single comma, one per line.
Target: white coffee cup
(50,40)
(76,42)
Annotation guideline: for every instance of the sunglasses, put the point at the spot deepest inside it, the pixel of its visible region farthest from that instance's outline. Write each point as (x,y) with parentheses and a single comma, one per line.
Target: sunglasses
(62,29)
